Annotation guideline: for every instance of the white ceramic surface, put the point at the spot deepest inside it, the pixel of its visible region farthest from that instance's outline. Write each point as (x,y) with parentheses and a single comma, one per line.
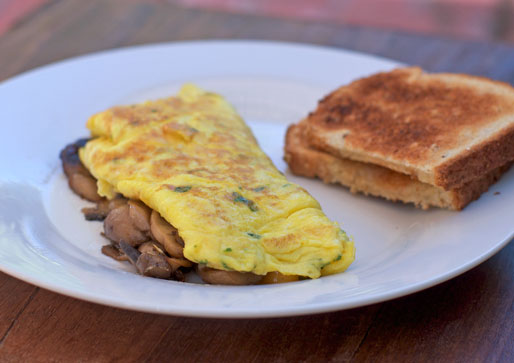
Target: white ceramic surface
(45,240)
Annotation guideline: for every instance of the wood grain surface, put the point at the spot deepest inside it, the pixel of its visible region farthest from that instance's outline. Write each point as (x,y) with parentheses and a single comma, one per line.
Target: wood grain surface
(467,319)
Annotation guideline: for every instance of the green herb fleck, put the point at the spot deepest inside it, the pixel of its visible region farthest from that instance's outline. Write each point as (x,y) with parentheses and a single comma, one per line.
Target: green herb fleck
(225,266)
(254,235)
(323,265)
(227,249)
(338,258)
(259,189)
(238,198)
(153,110)
(182,189)
(203,262)
(286,185)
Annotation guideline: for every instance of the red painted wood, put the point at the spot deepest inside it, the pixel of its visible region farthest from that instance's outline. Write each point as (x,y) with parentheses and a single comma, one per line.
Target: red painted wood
(13,10)
(468,19)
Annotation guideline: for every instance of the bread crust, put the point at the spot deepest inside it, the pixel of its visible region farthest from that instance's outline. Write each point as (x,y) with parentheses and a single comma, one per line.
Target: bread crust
(443,129)
(369,179)
(471,164)
(473,190)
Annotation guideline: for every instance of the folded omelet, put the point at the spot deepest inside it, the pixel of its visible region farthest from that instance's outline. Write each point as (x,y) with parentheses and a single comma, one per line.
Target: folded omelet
(194,160)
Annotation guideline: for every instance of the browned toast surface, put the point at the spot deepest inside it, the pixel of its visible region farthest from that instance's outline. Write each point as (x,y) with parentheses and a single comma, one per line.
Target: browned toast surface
(375,180)
(443,129)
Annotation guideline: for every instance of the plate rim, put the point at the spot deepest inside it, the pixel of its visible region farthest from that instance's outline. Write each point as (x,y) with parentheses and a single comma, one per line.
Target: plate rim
(267,312)
(192,42)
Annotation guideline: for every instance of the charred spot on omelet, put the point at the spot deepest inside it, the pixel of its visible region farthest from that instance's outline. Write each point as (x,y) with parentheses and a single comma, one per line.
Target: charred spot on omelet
(193,159)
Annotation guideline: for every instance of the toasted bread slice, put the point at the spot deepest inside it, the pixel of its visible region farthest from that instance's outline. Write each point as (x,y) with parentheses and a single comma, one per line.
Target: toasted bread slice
(443,129)
(375,180)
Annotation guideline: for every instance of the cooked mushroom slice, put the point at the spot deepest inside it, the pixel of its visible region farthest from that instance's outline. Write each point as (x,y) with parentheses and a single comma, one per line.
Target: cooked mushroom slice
(113,252)
(102,208)
(153,265)
(151,247)
(276,277)
(79,178)
(94,214)
(140,214)
(177,263)
(118,226)
(98,212)
(164,233)
(178,275)
(117,202)
(71,163)
(131,253)
(85,186)
(220,277)
(147,264)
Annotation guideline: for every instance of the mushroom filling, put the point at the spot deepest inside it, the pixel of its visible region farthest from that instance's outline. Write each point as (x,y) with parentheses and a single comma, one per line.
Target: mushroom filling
(141,236)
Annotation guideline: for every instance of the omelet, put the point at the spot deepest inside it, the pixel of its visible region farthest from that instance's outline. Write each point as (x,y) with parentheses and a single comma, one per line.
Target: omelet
(194,160)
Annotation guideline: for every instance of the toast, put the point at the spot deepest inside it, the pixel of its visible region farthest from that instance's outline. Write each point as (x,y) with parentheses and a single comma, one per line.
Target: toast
(378,181)
(444,130)
(430,139)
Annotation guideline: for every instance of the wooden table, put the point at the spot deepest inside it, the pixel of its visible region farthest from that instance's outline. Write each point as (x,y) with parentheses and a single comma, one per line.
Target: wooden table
(469,318)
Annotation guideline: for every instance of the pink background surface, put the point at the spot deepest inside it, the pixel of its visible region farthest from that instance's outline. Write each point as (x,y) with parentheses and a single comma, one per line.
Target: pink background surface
(483,20)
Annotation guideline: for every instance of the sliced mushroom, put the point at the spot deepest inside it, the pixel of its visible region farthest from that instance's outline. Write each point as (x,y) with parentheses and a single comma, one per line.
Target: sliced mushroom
(102,209)
(140,214)
(79,178)
(220,277)
(178,275)
(177,263)
(98,212)
(71,163)
(151,247)
(276,277)
(164,233)
(85,186)
(131,253)
(148,264)
(153,265)
(155,248)
(117,202)
(94,213)
(113,252)
(118,226)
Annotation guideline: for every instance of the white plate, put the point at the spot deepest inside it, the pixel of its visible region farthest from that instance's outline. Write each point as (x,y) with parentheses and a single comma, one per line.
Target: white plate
(45,240)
